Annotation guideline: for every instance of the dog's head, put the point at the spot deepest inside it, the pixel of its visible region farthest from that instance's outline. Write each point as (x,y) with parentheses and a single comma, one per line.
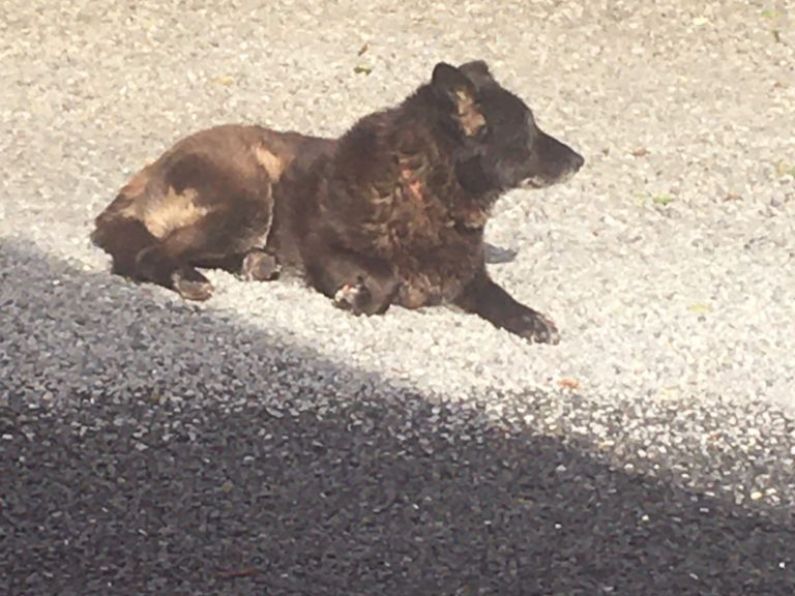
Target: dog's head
(502,148)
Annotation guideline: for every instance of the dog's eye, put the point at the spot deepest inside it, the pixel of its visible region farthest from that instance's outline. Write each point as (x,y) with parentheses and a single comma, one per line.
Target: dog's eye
(483,133)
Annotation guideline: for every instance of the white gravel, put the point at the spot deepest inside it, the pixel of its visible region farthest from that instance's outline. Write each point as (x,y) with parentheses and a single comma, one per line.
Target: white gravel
(689,299)
(668,262)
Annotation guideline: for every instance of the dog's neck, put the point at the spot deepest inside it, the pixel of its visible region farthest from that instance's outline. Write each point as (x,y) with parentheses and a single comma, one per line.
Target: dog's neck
(422,144)
(469,212)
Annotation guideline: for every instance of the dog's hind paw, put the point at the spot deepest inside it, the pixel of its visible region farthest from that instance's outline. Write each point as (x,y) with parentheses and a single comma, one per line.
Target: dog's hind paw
(191,285)
(260,266)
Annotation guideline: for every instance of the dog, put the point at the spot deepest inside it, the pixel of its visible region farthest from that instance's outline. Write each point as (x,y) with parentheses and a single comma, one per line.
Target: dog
(391,213)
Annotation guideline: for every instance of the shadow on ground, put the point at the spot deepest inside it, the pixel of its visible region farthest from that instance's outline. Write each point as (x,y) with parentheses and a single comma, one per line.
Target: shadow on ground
(132,493)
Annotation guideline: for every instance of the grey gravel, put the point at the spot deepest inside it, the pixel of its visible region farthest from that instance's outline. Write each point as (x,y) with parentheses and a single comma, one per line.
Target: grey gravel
(266,443)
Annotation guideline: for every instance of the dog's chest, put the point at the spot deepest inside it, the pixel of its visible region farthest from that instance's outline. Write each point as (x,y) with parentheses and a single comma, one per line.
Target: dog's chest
(435,249)
(417,219)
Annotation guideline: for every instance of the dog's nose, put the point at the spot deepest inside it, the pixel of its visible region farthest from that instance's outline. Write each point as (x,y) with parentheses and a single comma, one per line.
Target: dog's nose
(577,162)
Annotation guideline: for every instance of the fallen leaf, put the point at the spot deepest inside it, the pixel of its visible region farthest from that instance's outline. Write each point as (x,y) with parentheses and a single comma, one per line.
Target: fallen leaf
(785,169)
(569,383)
(361,69)
(225,80)
(700,308)
(640,152)
(363,49)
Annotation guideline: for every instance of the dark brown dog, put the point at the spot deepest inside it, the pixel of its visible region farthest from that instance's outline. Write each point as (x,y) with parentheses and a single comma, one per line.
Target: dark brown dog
(391,213)
(396,213)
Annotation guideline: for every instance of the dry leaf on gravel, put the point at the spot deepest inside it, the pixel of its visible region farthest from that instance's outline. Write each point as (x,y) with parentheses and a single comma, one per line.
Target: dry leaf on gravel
(569,383)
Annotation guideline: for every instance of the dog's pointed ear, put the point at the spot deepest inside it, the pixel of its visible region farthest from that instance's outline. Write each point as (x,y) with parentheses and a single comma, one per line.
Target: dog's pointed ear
(455,89)
(447,78)
(478,72)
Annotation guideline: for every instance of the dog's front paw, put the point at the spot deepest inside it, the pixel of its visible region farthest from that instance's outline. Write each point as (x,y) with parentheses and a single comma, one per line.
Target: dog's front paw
(355,298)
(537,328)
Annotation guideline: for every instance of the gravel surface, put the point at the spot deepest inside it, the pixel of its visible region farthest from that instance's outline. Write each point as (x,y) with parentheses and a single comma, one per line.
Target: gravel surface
(267,443)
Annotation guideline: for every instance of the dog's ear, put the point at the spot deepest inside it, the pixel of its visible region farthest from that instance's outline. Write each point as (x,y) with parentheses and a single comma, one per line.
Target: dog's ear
(457,91)
(478,72)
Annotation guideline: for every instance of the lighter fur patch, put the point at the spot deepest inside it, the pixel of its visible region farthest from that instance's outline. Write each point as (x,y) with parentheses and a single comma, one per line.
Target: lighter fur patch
(273,164)
(468,115)
(168,213)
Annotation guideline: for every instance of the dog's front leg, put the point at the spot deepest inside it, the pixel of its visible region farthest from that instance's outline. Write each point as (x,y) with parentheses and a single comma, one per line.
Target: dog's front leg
(484,297)
(355,282)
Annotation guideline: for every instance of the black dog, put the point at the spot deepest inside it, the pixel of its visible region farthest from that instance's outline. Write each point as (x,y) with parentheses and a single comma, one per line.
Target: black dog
(391,213)
(395,214)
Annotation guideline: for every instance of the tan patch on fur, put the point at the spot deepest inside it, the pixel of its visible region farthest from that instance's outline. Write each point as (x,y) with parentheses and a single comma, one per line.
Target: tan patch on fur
(175,211)
(168,213)
(272,163)
(412,182)
(468,114)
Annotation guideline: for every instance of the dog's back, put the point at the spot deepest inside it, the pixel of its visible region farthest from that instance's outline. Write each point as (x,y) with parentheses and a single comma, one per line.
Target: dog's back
(207,201)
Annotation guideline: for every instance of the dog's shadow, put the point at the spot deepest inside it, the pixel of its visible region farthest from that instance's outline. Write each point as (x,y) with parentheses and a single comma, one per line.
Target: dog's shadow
(496,255)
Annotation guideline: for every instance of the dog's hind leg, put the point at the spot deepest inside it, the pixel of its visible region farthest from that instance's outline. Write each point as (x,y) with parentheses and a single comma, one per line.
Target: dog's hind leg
(123,238)
(137,254)
(228,239)
(167,263)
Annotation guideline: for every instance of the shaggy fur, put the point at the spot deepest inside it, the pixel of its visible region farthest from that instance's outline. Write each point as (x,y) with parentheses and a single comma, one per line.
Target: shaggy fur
(396,213)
